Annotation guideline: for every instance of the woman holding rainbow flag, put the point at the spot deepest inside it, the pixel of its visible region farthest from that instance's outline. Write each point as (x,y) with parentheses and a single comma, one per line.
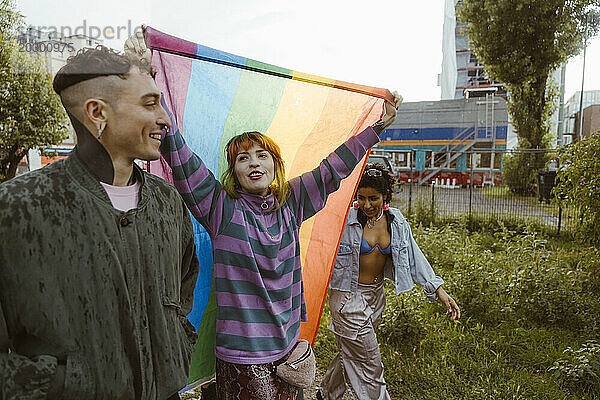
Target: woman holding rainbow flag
(253,218)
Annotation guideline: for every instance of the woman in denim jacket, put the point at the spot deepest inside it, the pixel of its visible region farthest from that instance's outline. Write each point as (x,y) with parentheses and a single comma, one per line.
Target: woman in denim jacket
(377,243)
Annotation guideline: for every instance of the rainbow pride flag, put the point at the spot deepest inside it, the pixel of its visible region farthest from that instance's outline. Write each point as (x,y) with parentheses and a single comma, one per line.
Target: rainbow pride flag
(215,95)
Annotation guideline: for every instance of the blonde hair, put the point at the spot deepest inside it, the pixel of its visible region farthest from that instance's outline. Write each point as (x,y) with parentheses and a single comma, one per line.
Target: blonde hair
(279,187)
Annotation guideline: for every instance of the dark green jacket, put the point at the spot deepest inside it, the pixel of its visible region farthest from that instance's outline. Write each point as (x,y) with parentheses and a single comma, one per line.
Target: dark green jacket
(99,292)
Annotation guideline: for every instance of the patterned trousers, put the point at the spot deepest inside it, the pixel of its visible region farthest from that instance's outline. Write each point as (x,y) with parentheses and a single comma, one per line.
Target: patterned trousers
(252,382)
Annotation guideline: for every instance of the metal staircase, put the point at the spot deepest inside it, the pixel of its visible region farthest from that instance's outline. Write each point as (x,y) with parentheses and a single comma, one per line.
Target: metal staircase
(463,141)
(468,137)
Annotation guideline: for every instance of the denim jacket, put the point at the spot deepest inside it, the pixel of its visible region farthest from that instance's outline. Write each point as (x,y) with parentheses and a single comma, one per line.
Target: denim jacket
(406,266)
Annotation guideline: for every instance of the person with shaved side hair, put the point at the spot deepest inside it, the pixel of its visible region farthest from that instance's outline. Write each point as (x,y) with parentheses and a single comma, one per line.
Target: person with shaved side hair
(97,261)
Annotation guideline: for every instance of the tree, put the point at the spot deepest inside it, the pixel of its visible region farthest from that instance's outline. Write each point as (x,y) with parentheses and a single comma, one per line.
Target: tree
(31,114)
(578,181)
(520,43)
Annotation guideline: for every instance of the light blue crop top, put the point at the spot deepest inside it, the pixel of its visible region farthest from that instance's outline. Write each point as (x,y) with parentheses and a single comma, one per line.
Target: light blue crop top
(365,248)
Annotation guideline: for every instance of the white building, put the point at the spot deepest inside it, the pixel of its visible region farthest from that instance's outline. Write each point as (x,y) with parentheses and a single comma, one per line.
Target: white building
(462,74)
(572,108)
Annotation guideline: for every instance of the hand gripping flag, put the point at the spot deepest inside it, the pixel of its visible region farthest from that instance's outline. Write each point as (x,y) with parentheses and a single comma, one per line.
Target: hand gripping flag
(215,95)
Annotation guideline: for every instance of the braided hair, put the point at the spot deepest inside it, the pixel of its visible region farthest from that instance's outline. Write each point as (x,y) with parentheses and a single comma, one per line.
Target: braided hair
(378,177)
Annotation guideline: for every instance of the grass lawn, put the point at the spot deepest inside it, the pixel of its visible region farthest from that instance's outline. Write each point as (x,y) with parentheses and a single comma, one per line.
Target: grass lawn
(530,324)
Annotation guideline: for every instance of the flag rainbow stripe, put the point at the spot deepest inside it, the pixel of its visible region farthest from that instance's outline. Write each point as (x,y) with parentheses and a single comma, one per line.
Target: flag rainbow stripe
(215,95)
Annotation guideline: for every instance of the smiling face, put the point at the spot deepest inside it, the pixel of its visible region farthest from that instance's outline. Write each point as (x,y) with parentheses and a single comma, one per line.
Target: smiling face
(370,201)
(254,169)
(135,119)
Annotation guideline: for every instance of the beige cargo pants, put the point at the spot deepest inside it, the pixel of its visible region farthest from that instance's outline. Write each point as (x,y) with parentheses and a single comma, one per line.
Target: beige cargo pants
(357,366)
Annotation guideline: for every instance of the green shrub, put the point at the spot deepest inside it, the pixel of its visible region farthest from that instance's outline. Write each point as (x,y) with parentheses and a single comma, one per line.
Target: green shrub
(547,296)
(520,171)
(402,324)
(525,296)
(579,180)
(424,213)
(580,368)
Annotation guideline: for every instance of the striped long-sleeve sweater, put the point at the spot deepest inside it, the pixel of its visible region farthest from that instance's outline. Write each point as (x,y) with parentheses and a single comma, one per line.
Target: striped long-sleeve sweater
(258,279)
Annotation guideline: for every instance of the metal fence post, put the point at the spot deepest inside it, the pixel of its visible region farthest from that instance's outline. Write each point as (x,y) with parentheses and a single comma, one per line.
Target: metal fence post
(559,216)
(410,184)
(432,201)
(470,186)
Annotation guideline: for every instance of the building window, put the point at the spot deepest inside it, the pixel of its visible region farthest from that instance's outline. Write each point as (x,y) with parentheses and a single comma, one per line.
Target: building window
(498,161)
(439,158)
(402,159)
(473,160)
(485,160)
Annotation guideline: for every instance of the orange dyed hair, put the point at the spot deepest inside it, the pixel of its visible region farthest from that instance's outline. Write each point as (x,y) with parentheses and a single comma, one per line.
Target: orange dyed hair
(279,186)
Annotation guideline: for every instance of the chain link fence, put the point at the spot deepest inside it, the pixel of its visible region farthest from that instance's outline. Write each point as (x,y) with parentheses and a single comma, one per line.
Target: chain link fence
(477,191)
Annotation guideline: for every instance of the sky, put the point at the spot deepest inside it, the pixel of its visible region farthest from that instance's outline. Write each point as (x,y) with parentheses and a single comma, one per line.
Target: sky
(394,44)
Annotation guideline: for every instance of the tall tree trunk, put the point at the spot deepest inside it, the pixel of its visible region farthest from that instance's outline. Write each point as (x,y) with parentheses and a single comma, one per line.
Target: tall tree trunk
(539,86)
(10,164)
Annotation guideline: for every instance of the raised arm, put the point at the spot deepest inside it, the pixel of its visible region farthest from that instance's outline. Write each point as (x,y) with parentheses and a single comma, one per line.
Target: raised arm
(310,190)
(201,191)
